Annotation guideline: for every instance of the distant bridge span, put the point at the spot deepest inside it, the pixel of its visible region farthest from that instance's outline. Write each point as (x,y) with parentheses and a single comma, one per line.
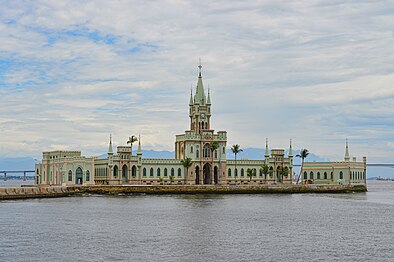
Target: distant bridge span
(24,172)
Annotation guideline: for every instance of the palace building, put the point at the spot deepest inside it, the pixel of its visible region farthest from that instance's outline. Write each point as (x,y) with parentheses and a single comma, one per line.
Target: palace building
(200,144)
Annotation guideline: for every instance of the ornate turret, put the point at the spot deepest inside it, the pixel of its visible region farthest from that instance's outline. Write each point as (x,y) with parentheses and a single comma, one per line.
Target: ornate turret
(110,150)
(191,97)
(209,97)
(139,150)
(290,150)
(347,156)
(267,153)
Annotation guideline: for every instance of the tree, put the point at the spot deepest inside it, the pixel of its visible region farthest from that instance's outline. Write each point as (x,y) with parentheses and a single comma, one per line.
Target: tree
(131,140)
(213,146)
(303,154)
(266,170)
(236,149)
(186,163)
(172,179)
(161,180)
(250,173)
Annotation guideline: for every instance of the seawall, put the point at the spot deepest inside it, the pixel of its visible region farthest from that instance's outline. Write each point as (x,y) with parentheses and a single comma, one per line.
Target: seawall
(57,191)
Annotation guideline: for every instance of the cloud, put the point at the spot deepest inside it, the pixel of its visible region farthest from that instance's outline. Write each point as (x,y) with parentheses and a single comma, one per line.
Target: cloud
(72,72)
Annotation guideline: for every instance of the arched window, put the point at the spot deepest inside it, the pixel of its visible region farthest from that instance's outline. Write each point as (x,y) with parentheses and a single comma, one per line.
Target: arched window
(206,125)
(191,149)
(158,172)
(229,172)
(254,171)
(325,175)
(115,171)
(144,172)
(197,154)
(87,175)
(165,171)
(207,150)
(271,171)
(318,175)
(224,150)
(261,172)
(70,175)
(179,172)
(124,171)
(332,176)
(216,154)
(311,175)
(199,125)
(236,171)
(151,172)
(341,175)
(305,175)
(242,172)
(134,171)
(172,172)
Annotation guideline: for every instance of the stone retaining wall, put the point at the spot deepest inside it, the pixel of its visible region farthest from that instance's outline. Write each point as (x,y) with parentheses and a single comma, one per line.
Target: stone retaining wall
(44,192)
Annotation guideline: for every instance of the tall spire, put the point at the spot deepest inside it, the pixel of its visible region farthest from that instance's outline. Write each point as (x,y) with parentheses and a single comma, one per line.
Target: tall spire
(139,150)
(267,153)
(191,97)
(199,98)
(347,157)
(290,150)
(209,97)
(110,150)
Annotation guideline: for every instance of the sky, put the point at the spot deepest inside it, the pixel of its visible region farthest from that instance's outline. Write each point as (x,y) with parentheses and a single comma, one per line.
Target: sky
(316,72)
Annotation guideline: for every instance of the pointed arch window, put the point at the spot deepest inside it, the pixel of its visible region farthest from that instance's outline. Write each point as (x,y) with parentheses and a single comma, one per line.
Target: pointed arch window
(158,171)
(325,175)
(165,171)
(229,172)
(341,175)
(311,175)
(144,172)
(70,175)
(87,175)
(179,172)
(172,172)
(151,172)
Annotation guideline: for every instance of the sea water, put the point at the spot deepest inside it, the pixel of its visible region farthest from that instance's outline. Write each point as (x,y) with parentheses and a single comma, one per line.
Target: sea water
(273,227)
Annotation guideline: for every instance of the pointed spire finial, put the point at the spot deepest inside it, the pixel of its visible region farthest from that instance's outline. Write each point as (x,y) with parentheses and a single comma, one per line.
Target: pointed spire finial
(290,150)
(110,150)
(347,156)
(139,150)
(199,67)
(267,154)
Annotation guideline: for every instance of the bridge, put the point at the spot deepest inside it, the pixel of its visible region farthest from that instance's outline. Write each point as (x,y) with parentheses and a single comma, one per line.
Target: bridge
(24,172)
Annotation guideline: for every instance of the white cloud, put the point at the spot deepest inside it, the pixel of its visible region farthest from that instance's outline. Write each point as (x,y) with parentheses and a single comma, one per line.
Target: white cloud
(317,72)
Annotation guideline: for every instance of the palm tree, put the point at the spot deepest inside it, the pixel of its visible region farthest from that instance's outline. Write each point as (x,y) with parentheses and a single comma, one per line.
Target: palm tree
(303,154)
(250,173)
(266,170)
(131,140)
(213,146)
(171,179)
(236,149)
(186,163)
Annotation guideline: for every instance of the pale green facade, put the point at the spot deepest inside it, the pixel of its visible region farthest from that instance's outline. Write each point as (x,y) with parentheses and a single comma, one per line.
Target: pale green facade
(125,167)
(341,172)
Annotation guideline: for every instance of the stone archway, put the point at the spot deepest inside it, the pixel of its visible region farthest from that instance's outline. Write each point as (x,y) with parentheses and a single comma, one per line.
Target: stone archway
(197,172)
(79,176)
(124,173)
(215,175)
(207,174)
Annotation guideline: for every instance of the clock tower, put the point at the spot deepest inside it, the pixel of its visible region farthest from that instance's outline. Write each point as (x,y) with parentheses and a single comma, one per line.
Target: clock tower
(200,107)
(206,149)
